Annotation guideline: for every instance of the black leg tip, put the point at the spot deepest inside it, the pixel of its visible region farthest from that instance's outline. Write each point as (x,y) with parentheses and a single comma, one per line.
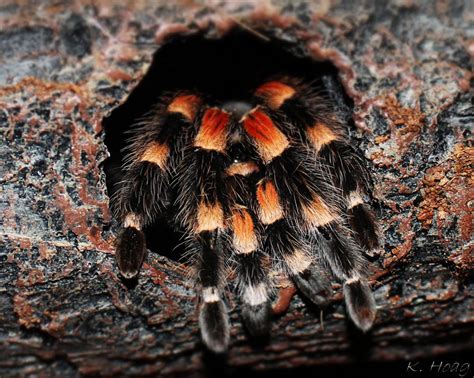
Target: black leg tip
(314,285)
(130,252)
(215,327)
(257,319)
(360,304)
(363,223)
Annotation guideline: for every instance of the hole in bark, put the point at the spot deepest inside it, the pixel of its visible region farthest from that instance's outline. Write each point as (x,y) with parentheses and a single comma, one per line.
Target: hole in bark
(228,69)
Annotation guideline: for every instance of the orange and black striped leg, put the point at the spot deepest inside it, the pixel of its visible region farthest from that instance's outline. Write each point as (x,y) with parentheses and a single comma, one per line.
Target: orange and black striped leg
(351,175)
(289,166)
(344,256)
(251,276)
(286,246)
(137,203)
(152,153)
(311,114)
(305,197)
(347,262)
(201,211)
(299,262)
(290,171)
(213,317)
(200,174)
(244,237)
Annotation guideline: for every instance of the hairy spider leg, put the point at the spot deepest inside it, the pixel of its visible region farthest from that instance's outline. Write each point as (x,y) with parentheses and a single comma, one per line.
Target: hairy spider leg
(201,209)
(303,107)
(261,185)
(245,234)
(153,152)
(279,201)
(334,239)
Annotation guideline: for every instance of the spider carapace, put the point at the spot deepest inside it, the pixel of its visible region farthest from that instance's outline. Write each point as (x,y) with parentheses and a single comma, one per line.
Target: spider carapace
(270,184)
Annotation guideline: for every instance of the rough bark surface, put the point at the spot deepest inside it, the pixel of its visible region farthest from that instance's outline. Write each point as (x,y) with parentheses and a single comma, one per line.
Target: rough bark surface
(64,65)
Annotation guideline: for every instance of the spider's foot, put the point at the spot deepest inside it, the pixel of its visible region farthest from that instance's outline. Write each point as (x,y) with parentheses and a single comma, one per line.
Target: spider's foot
(257,319)
(130,251)
(360,303)
(214,325)
(314,284)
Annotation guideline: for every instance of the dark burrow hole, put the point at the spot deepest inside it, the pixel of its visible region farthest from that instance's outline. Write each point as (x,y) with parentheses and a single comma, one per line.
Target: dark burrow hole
(225,69)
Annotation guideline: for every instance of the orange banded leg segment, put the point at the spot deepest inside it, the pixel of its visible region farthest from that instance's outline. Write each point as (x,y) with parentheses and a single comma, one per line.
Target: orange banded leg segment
(350,176)
(320,135)
(244,235)
(156,153)
(269,205)
(213,130)
(268,139)
(202,203)
(317,213)
(210,217)
(186,105)
(154,150)
(275,93)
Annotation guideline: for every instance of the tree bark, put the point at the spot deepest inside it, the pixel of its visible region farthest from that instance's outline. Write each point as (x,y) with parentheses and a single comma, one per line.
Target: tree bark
(63,309)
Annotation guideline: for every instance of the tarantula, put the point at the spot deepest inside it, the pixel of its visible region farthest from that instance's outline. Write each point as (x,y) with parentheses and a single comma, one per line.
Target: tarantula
(271,184)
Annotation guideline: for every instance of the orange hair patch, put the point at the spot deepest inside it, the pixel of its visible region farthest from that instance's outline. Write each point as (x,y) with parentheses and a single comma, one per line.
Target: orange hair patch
(270,141)
(275,93)
(186,105)
(270,209)
(245,240)
(320,135)
(298,261)
(156,153)
(242,169)
(209,217)
(213,132)
(317,213)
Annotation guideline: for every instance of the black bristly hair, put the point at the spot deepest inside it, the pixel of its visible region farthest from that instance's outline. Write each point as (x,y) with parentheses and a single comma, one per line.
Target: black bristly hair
(256,186)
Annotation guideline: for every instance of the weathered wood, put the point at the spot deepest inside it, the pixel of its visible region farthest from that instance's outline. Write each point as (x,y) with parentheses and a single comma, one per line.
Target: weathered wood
(64,311)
